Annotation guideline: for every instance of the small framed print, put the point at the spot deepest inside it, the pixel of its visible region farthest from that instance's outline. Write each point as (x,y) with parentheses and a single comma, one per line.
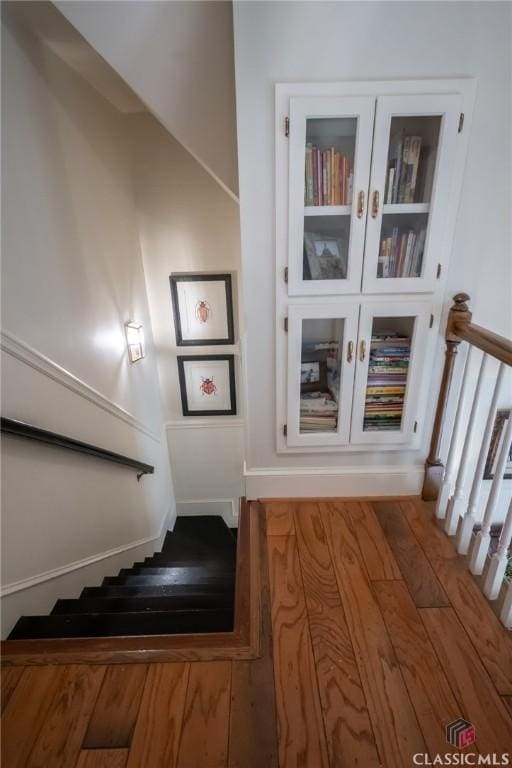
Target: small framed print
(207,384)
(495,445)
(203,309)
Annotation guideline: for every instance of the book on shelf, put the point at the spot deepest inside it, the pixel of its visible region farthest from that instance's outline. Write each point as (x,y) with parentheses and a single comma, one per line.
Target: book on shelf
(387,377)
(328,177)
(402,172)
(318,412)
(401,253)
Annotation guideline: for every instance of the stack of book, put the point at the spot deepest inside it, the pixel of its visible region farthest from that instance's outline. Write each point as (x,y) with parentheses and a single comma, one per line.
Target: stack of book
(402,173)
(387,377)
(318,412)
(329,177)
(401,253)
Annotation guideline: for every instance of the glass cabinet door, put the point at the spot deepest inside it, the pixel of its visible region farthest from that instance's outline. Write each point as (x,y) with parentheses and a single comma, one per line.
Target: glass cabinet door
(330,150)
(321,357)
(391,348)
(413,154)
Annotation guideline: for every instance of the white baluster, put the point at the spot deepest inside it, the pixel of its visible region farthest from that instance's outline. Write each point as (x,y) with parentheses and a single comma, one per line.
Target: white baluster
(499,560)
(469,519)
(449,474)
(506,611)
(457,503)
(483,538)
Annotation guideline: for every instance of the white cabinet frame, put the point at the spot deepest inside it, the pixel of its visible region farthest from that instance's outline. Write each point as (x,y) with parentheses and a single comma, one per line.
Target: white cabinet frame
(420,311)
(448,107)
(301,109)
(333,310)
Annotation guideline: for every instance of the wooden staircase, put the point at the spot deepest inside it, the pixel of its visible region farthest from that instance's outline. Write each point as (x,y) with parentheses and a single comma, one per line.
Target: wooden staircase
(187,588)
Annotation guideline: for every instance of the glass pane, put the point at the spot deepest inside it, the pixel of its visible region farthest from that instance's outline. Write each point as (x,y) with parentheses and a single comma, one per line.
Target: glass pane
(402,244)
(411,164)
(388,370)
(330,146)
(328,186)
(412,155)
(326,240)
(320,369)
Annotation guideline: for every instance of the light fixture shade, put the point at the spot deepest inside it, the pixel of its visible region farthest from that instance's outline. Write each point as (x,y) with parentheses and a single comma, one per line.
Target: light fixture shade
(135,340)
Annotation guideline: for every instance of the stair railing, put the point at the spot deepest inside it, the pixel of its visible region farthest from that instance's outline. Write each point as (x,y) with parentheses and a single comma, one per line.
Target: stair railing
(30,432)
(459,506)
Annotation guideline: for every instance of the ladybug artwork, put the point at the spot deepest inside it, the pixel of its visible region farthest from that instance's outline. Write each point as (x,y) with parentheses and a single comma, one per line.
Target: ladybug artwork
(207,386)
(203,311)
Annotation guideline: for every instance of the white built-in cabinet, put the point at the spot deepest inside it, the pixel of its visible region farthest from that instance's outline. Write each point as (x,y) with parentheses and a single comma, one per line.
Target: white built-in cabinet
(367,182)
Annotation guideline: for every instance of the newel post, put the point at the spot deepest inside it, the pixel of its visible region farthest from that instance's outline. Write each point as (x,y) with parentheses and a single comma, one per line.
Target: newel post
(459,313)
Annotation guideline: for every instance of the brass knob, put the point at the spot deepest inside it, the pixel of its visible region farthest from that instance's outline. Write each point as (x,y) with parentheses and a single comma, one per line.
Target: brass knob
(375,204)
(360,204)
(362,351)
(350,351)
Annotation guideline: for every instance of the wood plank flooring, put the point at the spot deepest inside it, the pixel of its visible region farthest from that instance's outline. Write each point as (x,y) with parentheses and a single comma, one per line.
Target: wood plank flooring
(374,637)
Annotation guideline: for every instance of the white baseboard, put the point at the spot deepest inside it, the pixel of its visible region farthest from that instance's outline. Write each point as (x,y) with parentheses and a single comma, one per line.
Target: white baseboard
(299,482)
(225,508)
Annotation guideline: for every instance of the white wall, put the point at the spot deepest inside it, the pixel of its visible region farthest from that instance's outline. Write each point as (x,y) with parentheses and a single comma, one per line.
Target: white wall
(317,41)
(187,223)
(72,276)
(178,58)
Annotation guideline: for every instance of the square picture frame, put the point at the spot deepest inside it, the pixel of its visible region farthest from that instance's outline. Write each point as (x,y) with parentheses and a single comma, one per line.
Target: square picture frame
(495,446)
(202,309)
(207,385)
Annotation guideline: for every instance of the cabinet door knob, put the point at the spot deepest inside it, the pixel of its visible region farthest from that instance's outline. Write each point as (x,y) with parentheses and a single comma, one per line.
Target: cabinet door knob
(350,351)
(362,351)
(360,204)
(375,204)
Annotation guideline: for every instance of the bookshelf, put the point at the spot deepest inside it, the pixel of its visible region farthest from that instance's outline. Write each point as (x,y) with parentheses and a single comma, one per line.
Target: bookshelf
(367,182)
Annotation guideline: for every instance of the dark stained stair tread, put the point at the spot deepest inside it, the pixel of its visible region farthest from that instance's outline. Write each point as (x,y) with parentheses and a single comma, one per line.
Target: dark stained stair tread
(122,624)
(184,559)
(141,603)
(205,529)
(182,547)
(157,590)
(173,578)
(150,569)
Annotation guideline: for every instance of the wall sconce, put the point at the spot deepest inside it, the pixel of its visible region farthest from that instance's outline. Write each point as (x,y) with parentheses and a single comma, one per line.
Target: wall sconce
(135,341)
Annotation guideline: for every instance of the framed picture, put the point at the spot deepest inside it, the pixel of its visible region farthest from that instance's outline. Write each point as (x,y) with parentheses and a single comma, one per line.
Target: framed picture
(324,257)
(207,384)
(495,447)
(203,309)
(313,376)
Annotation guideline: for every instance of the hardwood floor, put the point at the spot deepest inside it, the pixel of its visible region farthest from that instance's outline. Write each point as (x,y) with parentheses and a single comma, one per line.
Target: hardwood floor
(374,638)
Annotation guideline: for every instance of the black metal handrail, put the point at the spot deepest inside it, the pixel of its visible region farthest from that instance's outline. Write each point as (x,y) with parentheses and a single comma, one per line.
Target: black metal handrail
(21,429)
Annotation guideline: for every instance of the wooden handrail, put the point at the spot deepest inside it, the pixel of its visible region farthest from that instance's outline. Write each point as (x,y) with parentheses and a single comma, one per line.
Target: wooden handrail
(21,429)
(494,345)
(459,328)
